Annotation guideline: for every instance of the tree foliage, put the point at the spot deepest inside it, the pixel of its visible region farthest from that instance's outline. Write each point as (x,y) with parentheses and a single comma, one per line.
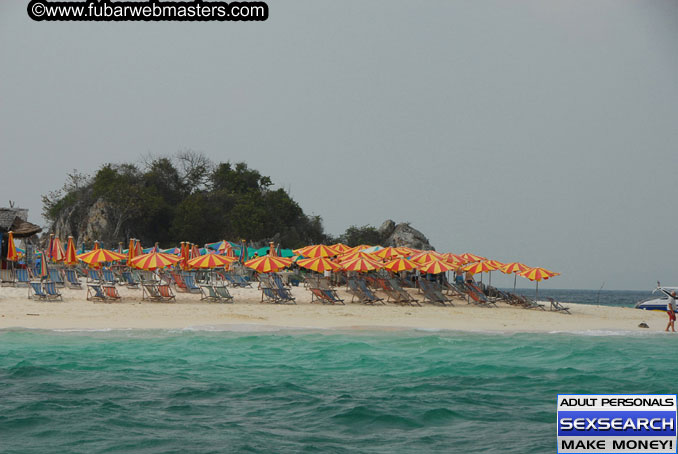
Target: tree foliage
(187,198)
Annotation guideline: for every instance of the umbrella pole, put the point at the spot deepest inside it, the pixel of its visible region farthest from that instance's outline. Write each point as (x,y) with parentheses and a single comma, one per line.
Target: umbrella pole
(537,292)
(515,277)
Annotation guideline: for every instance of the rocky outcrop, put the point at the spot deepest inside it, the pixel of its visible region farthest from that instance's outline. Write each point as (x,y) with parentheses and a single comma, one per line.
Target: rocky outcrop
(85,224)
(403,234)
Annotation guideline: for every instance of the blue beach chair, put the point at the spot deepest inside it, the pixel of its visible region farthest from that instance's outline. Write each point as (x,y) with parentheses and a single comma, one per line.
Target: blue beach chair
(51,291)
(72,279)
(22,277)
(35,291)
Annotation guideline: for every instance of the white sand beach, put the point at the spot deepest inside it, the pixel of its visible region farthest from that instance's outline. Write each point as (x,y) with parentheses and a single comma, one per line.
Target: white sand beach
(75,312)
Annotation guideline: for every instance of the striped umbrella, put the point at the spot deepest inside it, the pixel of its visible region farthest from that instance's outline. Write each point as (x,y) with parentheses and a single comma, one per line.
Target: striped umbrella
(57,252)
(435,266)
(97,256)
(131,250)
(399,264)
(361,264)
(426,256)
(317,250)
(71,256)
(268,264)
(154,260)
(389,253)
(453,258)
(479,267)
(96,245)
(484,266)
(470,258)
(12,254)
(319,264)
(224,246)
(138,249)
(44,270)
(515,268)
(340,248)
(357,254)
(537,274)
(211,261)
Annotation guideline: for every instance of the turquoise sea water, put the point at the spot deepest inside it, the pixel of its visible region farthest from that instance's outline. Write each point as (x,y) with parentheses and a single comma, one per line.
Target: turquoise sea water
(285,391)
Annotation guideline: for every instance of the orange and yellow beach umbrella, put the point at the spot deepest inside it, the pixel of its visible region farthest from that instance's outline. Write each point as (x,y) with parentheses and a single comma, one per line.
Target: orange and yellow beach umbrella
(154,260)
(97,256)
(483,266)
(317,250)
(357,254)
(362,264)
(389,253)
(340,248)
(515,268)
(12,255)
(426,256)
(71,256)
(399,264)
(537,274)
(453,258)
(435,266)
(319,264)
(470,258)
(211,261)
(268,263)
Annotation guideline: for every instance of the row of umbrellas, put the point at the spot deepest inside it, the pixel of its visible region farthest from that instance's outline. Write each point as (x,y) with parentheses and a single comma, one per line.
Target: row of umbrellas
(319,258)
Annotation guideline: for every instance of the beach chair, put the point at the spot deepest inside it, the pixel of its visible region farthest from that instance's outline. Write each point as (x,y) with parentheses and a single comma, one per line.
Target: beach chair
(528,303)
(189,282)
(359,289)
(268,295)
(558,307)
(129,280)
(207,293)
(7,277)
(23,278)
(237,280)
(277,284)
(146,276)
(405,296)
(72,280)
(56,277)
(325,296)
(166,292)
(224,294)
(179,283)
(433,294)
(318,295)
(36,292)
(93,276)
(477,297)
(52,292)
(111,292)
(95,292)
(150,292)
(108,277)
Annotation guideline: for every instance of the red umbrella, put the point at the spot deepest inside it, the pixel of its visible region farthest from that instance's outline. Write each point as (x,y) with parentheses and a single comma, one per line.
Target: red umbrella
(12,254)
(71,256)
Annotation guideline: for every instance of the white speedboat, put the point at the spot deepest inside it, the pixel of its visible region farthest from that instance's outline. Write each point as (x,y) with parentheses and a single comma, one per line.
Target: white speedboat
(660,303)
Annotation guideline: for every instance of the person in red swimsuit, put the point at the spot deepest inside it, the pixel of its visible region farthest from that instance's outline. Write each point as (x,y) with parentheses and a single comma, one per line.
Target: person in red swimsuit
(671,310)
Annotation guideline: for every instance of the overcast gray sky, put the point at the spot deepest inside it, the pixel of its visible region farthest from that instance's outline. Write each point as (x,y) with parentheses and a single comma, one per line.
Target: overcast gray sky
(543,132)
